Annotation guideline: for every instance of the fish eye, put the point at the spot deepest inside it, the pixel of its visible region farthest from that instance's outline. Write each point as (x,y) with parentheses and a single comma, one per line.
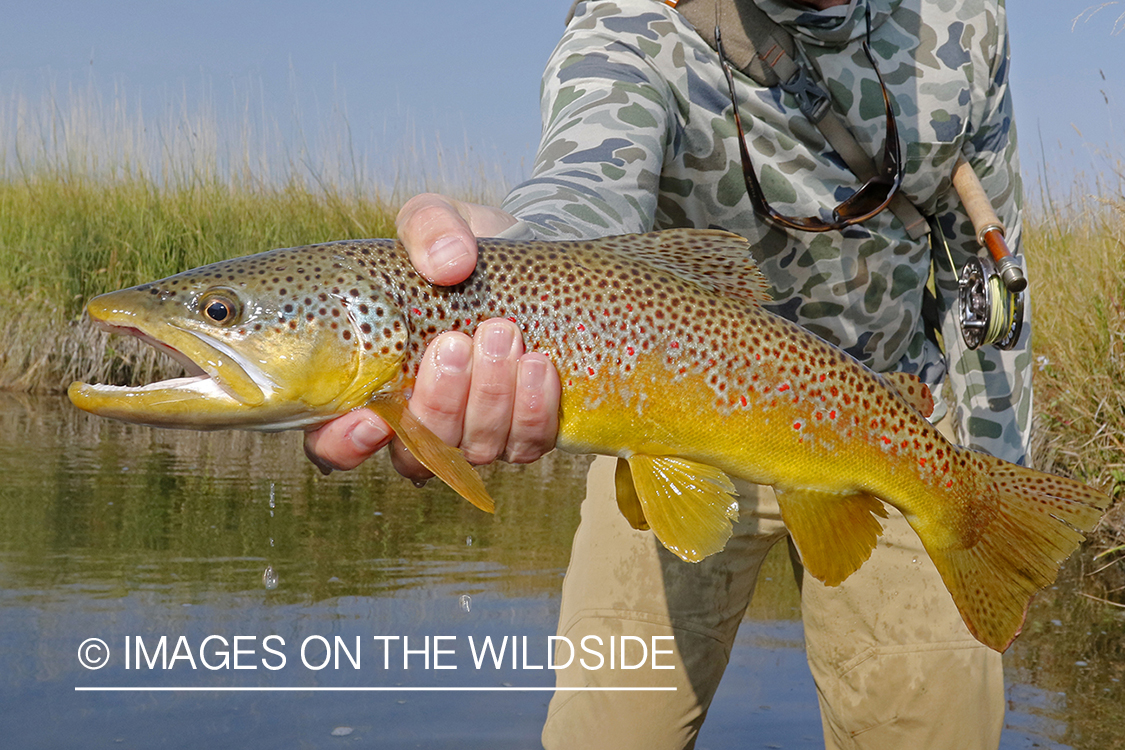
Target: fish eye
(220,307)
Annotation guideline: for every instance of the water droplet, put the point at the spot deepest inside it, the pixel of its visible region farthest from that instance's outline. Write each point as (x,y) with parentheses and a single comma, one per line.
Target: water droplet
(1079,663)
(342,731)
(468,541)
(272,504)
(419,483)
(914,560)
(466,602)
(269,578)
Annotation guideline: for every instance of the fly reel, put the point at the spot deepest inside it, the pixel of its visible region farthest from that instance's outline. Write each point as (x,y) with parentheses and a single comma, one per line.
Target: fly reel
(989,312)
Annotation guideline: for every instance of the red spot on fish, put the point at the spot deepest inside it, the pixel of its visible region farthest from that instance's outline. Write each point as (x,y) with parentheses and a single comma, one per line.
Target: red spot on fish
(796,425)
(886,440)
(581,327)
(468,322)
(823,377)
(921,462)
(832,414)
(743,399)
(590,370)
(416,311)
(675,344)
(544,298)
(629,351)
(512,318)
(949,484)
(629,308)
(783,387)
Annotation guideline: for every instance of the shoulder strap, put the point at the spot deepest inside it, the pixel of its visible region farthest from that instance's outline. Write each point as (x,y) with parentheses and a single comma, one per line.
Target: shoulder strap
(763,50)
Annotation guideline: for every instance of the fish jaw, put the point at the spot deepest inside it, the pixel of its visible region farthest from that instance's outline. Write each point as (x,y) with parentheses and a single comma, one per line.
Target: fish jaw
(221,389)
(257,381)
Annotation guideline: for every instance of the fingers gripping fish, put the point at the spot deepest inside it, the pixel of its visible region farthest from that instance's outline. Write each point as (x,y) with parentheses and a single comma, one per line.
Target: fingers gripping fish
(667,360)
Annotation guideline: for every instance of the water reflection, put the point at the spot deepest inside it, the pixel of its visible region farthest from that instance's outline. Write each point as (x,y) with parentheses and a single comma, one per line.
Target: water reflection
(121,532)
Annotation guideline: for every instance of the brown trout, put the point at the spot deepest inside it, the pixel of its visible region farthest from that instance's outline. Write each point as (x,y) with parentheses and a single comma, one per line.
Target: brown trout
(668,361)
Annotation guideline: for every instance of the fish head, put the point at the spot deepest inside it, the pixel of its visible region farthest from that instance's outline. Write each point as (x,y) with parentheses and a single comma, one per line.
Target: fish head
(279,340)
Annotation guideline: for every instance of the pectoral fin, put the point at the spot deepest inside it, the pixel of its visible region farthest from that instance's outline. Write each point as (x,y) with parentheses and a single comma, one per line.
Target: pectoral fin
(627,500)
(689,505)
(446,462)
(834,533)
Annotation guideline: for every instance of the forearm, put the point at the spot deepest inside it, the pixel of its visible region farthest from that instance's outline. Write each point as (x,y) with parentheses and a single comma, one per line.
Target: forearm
(992,388)
(608,122)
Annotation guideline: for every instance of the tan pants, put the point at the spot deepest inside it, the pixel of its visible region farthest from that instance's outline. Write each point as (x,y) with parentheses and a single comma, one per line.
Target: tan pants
(894,665)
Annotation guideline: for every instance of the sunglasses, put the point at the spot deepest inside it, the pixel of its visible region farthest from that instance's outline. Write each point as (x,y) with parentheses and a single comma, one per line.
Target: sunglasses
(871,198)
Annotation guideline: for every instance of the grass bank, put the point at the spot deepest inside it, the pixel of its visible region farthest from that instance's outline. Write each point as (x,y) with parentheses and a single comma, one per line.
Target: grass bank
(94,196)
(67,238)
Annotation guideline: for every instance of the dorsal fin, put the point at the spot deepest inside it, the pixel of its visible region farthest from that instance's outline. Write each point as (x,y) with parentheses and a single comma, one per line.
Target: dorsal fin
(715,260)
(914,391)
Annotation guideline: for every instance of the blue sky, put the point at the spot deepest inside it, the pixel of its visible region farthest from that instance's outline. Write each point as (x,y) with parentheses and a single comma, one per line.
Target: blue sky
(469,71)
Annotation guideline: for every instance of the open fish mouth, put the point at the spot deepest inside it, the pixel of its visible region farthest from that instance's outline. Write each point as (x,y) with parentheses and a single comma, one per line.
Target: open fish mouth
(218,385)
(192,370)
(195,379)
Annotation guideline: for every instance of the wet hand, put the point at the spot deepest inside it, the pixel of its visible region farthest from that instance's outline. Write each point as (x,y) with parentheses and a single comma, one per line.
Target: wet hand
(485,394)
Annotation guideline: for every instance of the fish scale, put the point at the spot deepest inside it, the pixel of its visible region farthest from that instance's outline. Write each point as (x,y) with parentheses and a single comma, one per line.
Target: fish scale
(668,360)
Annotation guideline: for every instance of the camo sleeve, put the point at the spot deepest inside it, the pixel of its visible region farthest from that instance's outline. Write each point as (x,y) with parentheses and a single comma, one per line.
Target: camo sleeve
(992,394)
(608,118)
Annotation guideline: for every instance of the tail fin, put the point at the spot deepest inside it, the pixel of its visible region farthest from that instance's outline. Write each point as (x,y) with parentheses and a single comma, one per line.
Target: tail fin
(1037,524)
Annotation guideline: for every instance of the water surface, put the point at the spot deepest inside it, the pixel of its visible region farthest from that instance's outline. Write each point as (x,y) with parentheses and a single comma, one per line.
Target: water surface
(119,532)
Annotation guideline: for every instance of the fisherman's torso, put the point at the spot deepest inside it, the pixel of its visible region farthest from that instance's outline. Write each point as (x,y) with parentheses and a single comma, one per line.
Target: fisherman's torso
(861,289)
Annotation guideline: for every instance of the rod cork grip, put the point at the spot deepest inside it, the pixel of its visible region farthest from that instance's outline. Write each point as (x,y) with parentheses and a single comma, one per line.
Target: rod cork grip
(975,200)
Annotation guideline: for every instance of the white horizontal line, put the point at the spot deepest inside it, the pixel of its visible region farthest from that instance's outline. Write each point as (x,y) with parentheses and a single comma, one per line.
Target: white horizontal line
(364,689)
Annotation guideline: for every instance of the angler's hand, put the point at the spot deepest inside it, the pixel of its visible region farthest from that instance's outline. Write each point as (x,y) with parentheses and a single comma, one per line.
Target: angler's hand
(483,394)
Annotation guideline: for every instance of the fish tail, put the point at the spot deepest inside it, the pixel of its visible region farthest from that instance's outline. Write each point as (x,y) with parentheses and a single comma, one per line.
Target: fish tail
(1031,523)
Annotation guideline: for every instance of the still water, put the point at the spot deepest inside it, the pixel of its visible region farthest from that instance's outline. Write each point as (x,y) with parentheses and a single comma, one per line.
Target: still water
(123,533)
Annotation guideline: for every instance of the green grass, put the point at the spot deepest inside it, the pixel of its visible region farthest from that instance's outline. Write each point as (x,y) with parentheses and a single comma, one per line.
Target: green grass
(66,238)
(95,197)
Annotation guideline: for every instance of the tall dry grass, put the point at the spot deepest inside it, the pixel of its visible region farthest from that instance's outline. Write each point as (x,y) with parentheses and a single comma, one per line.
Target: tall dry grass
(1076,253)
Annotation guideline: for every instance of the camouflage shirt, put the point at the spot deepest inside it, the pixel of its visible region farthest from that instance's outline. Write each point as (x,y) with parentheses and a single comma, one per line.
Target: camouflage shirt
(638,133)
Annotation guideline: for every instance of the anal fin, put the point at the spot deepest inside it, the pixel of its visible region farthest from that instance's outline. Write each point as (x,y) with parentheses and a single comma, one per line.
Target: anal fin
(446,462)
(834,533)
(689,505)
